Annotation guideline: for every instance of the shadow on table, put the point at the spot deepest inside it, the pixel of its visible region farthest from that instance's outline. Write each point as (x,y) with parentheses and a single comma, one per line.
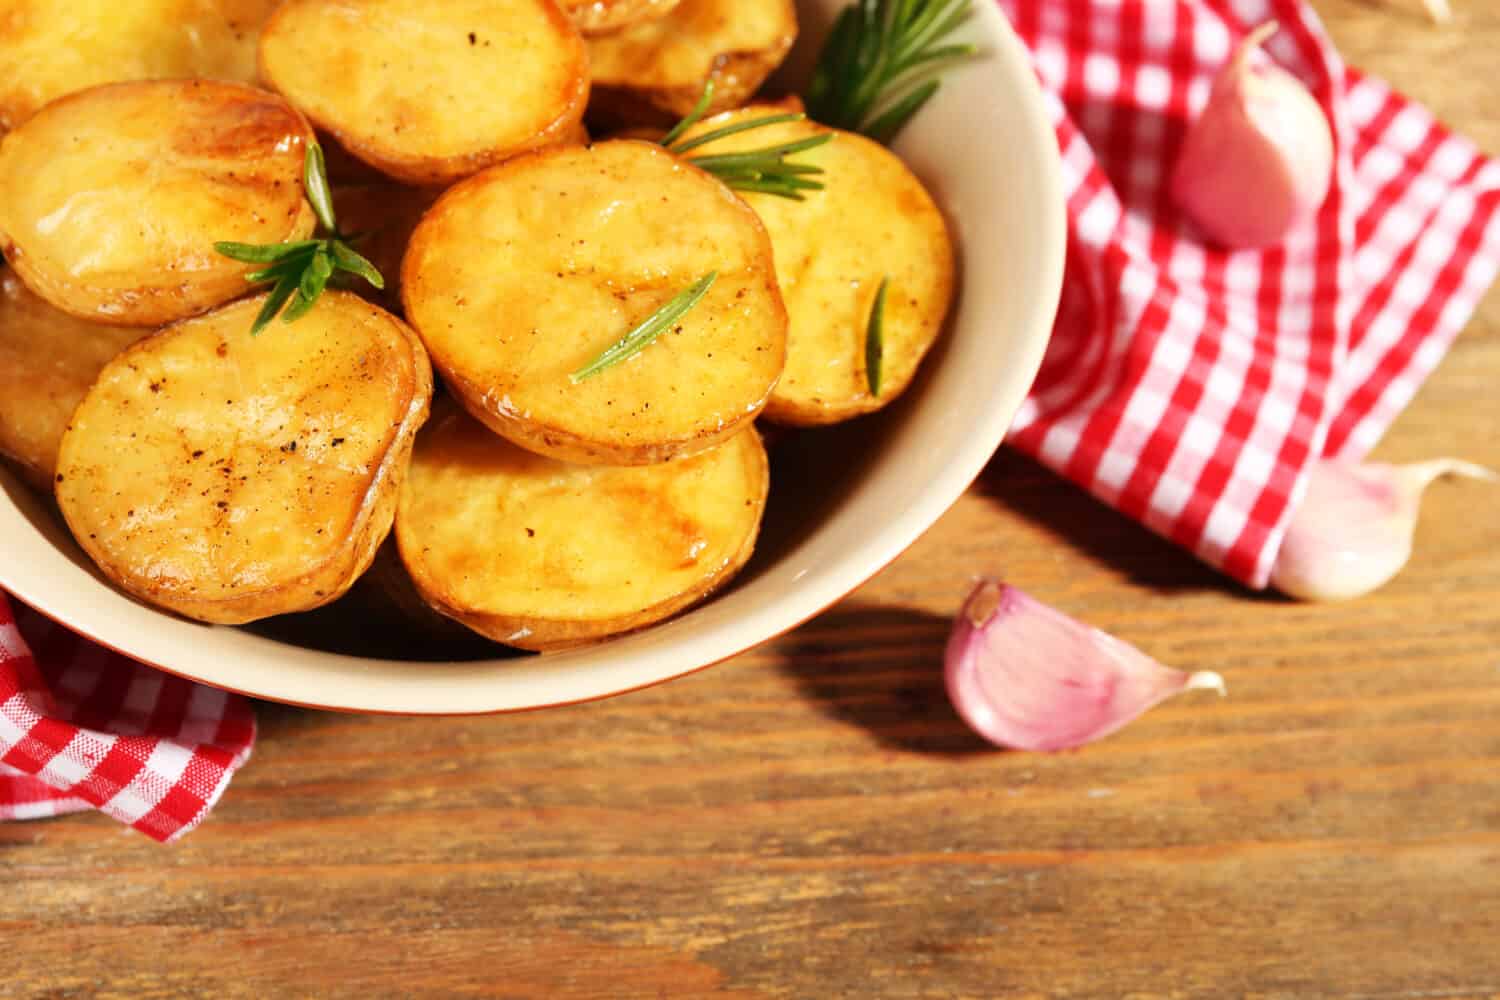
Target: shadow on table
(881,669)
(1077,520)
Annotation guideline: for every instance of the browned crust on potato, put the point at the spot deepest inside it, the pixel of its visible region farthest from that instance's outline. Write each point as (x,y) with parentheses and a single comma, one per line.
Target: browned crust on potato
(368,523)
(538,435)
(419,169)
(251,119)
(553,633)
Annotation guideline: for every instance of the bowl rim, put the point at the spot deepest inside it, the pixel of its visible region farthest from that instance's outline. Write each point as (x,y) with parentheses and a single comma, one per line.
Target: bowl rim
(899,534)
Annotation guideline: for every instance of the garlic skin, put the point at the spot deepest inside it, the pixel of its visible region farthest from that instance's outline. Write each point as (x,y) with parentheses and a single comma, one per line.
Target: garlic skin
(1353,530)
(1026,676)
(1259,159)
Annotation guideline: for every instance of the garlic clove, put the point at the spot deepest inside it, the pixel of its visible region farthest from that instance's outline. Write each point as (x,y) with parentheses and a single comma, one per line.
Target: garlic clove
(1352,532)
(1259,159)
(1026,676)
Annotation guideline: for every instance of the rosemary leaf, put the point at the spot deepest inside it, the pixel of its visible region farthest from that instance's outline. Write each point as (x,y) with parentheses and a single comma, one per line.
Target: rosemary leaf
(348,260)
(880,62)
(764,170)
(693,116)
(875,339)
(315,182)
(315,278)
(728,130)
(283,291)
(293,265)
(654,326)
(252,253)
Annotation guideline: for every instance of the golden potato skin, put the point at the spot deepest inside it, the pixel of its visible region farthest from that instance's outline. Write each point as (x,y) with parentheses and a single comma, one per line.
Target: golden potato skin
(111,199)
(600,17)
(522,275)
(873,219)
(48,360)
(655,71)
(230,476)
(49,48)
(540,554)
(433,92)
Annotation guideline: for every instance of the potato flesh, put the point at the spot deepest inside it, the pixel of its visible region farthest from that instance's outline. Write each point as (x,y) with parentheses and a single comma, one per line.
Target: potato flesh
(48,360)
(111,199)
(51,48)
(231,476)
(571,552)
(666,62)
(521,276)
(872,220)
(596,17)
(432,92)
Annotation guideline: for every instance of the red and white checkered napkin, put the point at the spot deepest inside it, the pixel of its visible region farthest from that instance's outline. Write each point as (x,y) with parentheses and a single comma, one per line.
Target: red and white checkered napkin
(1192,388)
(85,728)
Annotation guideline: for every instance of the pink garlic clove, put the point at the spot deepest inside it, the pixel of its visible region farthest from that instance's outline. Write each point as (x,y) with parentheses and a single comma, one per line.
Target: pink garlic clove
(1259,159)
(1352,532)
(1026,676)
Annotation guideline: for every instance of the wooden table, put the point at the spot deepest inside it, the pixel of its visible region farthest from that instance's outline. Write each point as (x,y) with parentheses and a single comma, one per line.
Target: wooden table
(811,820)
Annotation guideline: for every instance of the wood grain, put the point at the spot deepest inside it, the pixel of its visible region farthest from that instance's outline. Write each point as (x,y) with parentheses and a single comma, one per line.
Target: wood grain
(811,820)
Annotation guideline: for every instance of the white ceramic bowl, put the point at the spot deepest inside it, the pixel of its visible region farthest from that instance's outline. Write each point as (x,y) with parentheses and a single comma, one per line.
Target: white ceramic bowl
(845,502)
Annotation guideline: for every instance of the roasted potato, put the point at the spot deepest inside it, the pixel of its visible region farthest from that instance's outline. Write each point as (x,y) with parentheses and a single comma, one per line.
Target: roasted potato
(540,554)
(48,360)
(382,217)
(521,276)
(598,17)
(873,220)
(49,48)
(655,72)
(111,199)
(429,93)
(230,476)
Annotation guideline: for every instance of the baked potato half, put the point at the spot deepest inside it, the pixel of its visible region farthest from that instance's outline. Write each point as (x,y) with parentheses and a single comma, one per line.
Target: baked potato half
(111,199)
(598,17)
(49,48)
(231,476)
(872,221)
(429,93)
(655,72)
(519,277)
(540,554)
(48,360)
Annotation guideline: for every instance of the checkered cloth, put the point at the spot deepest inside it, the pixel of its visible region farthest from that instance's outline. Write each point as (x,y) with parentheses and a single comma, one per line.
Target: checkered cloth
(84,728)
(1190,388)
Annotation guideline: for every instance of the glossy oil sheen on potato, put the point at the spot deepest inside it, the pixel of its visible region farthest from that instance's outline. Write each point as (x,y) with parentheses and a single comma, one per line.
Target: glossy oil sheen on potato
(48,360)
(430,92)
(231,477)
(663,64)
(541,554)
(522,275)
(49,48)
(597,17)
(111,199)
(872,220)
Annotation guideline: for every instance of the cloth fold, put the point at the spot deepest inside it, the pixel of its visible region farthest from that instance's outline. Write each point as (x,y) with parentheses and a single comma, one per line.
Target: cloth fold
(1193,388)
(1190,388)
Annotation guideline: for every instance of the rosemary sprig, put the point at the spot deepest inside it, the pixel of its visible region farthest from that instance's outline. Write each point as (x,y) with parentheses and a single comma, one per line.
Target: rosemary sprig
(879,64)
(766,170)
(653,326)
(301,269)
(875,338)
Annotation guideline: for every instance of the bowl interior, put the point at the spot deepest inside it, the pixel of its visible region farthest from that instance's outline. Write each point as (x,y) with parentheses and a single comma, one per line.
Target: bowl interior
(844,501)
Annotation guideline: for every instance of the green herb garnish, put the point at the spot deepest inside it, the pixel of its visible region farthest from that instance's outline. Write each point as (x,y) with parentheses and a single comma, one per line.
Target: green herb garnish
(765,170)
(879,64)
(302,268)
(875,338)
(654,326)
